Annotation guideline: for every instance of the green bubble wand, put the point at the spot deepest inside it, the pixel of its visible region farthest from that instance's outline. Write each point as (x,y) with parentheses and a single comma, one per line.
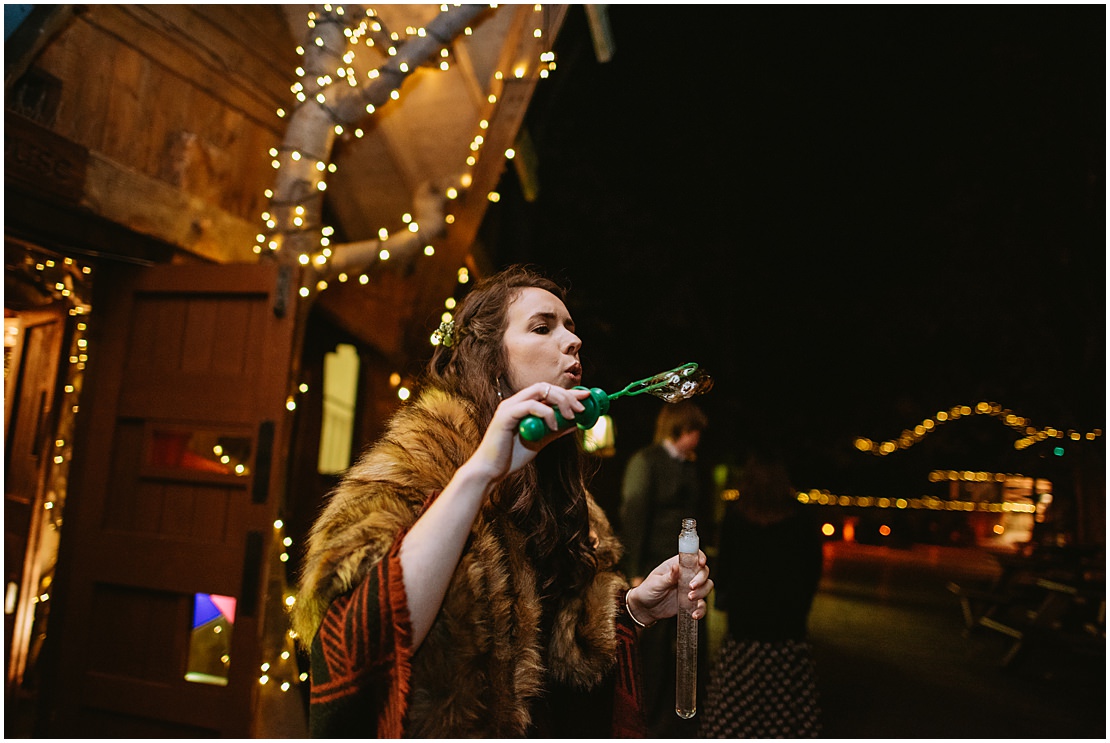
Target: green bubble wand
(676,384)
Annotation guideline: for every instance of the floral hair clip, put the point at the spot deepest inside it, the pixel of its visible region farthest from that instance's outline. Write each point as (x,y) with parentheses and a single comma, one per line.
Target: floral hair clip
(445,334)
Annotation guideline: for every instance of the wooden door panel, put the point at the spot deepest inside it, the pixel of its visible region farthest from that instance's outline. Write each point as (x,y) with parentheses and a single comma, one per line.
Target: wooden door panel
(175,502)
(157,396)
(130,694)
(200,335)
(172,567)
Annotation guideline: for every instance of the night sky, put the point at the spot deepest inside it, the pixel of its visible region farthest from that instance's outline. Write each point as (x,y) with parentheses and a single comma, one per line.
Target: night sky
(852,216)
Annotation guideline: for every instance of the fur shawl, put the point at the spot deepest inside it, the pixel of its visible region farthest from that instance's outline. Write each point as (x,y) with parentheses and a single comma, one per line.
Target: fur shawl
(482,661)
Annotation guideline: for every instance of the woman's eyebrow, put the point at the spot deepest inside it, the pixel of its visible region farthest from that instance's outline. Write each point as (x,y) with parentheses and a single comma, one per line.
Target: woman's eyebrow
(551,317)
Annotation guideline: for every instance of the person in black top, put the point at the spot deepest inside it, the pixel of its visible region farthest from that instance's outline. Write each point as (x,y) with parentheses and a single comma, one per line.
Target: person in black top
(763,681)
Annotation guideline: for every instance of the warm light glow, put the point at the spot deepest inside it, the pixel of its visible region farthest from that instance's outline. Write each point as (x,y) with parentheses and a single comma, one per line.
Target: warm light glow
(828,529)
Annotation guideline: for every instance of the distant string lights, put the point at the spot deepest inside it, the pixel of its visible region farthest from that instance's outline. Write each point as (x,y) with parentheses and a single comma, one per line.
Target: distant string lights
(926,502)
(1030,433)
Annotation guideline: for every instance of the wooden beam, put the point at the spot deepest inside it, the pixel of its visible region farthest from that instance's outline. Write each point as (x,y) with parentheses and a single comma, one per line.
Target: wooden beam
(152,207)
(601,32)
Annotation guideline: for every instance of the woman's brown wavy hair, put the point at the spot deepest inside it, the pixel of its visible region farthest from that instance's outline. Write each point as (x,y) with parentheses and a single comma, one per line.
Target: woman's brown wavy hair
(547,499)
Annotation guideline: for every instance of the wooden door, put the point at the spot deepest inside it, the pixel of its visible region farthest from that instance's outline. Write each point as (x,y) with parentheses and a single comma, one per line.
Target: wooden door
(174,495)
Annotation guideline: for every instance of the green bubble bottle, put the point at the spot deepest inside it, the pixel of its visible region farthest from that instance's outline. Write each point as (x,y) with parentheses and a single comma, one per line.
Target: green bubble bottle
(676,384)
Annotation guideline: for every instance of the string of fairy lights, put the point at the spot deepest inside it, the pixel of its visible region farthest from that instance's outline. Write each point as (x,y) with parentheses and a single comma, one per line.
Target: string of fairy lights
(293,211)
(68,282)
(282,671)
(927,502)
(1030,434)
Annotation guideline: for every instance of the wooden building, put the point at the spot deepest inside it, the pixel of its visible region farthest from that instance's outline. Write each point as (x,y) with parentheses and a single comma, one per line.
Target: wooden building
(211,212)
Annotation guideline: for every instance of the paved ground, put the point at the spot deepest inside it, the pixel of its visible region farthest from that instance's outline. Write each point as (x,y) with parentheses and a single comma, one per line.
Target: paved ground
(894,661)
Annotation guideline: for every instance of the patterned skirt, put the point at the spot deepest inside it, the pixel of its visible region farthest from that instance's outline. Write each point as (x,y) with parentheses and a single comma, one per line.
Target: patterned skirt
(761,690)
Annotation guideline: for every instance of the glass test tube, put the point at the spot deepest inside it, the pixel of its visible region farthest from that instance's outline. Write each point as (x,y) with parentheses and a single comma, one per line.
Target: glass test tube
(686,661)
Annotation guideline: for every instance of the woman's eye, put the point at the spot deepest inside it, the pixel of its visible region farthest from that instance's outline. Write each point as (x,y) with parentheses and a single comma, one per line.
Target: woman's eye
(542,330)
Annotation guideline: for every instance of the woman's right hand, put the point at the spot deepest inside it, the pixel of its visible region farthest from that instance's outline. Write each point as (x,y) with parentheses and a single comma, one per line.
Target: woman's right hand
(502,450)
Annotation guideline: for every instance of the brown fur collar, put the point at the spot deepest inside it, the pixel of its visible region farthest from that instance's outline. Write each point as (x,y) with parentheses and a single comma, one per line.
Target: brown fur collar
(482,661)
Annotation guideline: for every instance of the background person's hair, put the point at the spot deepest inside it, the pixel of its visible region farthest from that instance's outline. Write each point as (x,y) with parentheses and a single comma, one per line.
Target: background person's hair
(546,499)
(766,494)
(677,418)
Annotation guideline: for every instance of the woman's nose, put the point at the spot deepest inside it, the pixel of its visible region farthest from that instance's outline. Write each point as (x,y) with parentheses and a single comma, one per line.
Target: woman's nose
(573,343)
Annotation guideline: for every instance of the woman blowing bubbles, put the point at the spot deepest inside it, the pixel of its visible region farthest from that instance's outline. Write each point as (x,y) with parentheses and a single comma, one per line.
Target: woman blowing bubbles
(461,582)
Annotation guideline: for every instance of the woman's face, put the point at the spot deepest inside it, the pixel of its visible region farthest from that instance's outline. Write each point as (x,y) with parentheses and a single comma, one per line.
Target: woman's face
(540,344)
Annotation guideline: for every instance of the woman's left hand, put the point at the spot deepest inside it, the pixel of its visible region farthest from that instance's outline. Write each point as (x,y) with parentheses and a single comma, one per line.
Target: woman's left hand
(655,598)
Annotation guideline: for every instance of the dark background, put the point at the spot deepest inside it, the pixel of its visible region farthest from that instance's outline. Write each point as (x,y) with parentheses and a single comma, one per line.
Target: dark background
(853,217)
